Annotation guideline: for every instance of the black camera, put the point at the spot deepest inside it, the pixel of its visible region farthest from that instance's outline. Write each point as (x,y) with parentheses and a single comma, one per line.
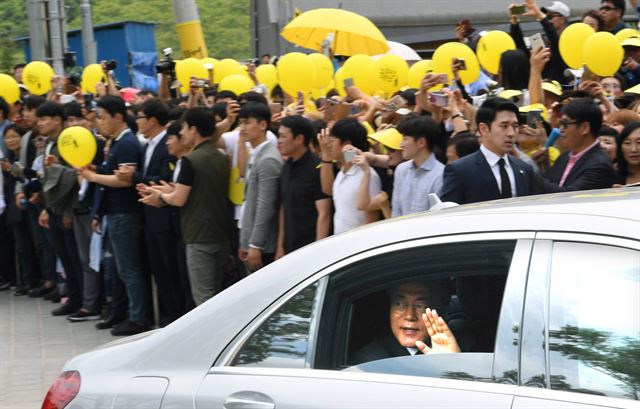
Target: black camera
(111,65)
(166,65)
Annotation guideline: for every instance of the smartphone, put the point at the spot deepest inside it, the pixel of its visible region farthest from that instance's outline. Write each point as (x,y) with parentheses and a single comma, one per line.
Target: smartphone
(395,103)
(518,9)
(349,156)
(439,99)
(533,117)
(536,41)
(442,78)
(66,98)
(463,63)
(348,82)
(275,107)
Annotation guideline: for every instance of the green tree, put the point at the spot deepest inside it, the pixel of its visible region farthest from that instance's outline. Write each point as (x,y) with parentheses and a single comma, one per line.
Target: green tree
(13,17)
(226,24)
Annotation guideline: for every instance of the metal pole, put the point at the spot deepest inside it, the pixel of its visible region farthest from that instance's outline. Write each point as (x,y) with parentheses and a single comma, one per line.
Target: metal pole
(90,55)
(63,25)
(55,37)
(189,29)
(36,34)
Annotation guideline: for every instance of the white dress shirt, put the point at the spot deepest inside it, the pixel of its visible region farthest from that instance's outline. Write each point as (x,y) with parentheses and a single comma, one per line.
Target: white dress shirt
(493,159)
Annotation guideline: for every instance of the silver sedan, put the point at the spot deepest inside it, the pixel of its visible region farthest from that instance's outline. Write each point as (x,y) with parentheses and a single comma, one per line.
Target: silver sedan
(541,294)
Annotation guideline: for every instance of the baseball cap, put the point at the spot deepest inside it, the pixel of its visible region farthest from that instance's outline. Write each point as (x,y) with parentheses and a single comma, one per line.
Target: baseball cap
(390,137)
(552,86)
(557,7)
(631,42)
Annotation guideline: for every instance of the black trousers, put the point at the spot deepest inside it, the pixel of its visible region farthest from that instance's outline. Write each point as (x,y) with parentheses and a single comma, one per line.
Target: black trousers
(163,263)
(65,243)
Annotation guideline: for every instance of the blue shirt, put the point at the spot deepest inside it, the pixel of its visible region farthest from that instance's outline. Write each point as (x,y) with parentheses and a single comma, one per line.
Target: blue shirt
(411,186)
(124,149)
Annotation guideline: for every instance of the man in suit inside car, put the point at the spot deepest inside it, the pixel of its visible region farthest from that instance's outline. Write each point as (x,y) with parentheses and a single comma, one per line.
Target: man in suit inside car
(414,322)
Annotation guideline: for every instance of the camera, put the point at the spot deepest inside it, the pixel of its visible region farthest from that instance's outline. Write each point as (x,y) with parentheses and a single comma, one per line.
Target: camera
(111,65)
(166,65)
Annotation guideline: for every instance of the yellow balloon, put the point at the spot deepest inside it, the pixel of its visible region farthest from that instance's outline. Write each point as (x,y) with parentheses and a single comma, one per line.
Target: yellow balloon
(444,54)
(490,49)
(324,70)
(603,54)
(240,70)
(321,93)
(626,33)
(296,73)
(417,72)
(267,74)
(237,83)
(224,68)
(572,42)
(392,73)
(187,68)
(209,60)
(37,77)
(9,88)
(77,146)
(339,82)
(360,68)
(92,75)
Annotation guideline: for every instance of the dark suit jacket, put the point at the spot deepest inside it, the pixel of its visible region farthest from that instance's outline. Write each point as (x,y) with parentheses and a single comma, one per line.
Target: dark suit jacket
(379,348)
(592,171)
(470,180)
(156,219)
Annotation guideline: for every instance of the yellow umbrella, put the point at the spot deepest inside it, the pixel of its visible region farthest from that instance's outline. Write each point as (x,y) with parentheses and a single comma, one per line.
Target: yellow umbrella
(353,33)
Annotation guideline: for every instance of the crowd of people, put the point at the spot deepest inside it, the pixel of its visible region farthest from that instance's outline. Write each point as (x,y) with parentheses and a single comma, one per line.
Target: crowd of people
(190,194)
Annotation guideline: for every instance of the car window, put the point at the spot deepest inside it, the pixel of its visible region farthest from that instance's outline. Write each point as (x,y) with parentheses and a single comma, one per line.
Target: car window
(374,308)
(282,340)
(594,322)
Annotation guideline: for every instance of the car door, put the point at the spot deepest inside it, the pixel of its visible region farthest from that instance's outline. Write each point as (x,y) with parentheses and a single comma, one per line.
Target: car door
(581,329)
(284,358)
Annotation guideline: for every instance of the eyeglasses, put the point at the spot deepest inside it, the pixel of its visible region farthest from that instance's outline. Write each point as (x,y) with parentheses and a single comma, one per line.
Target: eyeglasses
(607,8)
(401,306)
(142,117)
(565,123)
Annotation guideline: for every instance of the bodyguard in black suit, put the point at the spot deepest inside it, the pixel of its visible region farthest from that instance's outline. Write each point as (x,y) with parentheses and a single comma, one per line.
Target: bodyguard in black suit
(160,239)
(584,165)
(490,173)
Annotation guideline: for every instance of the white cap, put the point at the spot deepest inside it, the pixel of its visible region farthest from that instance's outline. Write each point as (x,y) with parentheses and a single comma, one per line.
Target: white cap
(559,8)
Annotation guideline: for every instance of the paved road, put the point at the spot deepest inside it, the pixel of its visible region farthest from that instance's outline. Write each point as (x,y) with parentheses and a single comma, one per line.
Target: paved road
(34,345)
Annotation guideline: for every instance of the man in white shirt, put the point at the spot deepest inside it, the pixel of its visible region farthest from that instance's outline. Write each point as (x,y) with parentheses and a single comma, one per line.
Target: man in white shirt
(348,138)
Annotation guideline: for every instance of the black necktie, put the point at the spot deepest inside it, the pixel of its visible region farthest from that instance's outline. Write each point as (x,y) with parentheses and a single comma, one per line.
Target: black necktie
(504,180)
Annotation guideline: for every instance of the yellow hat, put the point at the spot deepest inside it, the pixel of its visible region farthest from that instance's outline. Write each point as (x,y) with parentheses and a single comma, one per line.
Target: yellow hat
(634,90)
(553,87)
(536,107)
(389,137)
(631,42)
(510,93)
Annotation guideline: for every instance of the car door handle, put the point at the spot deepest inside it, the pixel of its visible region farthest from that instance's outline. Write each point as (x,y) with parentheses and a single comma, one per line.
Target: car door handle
(249,400)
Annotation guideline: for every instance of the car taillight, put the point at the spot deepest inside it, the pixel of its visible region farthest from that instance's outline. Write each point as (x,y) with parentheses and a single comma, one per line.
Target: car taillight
(63,390)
